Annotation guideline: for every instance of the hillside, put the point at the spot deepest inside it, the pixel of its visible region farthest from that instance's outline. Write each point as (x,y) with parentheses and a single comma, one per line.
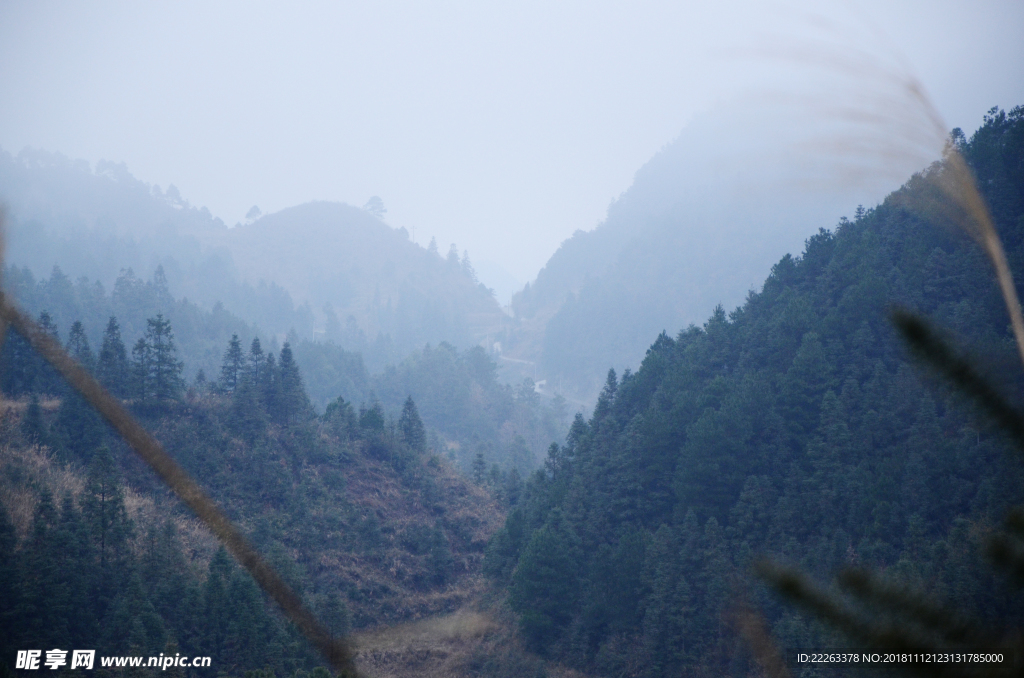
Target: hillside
(701,225)
(796,427)
(323,271)
(353,269)
(352,508)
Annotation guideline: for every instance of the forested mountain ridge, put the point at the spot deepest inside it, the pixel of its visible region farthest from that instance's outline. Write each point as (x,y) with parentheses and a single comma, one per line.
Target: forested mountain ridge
(363,276)
(702,223)
(326,271)
(355,510)
(467,410)
(794,426)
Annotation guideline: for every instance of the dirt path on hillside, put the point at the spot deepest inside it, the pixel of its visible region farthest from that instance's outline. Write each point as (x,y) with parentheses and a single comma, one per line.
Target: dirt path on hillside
(438,646)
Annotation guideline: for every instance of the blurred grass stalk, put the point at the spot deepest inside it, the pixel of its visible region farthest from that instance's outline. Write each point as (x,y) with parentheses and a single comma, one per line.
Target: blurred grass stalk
(890,117)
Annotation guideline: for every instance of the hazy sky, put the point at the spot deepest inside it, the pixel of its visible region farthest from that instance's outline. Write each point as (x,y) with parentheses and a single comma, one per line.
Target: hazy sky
(502,128)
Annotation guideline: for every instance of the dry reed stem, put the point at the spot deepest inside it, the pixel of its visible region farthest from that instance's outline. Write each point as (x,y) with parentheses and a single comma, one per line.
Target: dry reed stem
(335,650)
(960,186)
(898,119)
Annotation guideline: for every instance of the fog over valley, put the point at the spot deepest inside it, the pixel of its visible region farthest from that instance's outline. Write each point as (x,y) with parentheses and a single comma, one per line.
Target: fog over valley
(534,339)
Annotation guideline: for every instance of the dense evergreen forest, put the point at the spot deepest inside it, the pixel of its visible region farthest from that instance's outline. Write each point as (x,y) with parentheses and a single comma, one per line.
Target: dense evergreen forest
(356,510)
(701,224)
(466,406)
(795,426)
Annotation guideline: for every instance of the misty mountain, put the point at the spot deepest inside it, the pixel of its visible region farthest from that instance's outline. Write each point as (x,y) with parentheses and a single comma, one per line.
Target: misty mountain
(97,224)
(323,271)
(364,279)
(796,428)
(701,225)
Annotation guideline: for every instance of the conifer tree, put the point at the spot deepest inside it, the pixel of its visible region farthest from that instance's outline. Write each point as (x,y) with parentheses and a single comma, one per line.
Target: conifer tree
(43,603)
(231,365)
(165,573)
(256,363)
(112,369)
(165,368)
(545,586)
(79,567)
(10,589)
(292,402)
(78,346)
(110,527)
(247,413)
(217,611)
(411,427)
(78,429)
(133,626)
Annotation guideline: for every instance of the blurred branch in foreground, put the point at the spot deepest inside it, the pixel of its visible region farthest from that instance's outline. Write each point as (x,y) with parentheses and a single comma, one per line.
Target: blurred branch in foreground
(336,651)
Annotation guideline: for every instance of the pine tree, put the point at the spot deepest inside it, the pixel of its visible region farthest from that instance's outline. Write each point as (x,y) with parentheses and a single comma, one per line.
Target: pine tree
(292,403)
(411,427)
(231,365)
(79,428)
(545,586)
(10,583)
(667,606)
(43,612)
(78,346)
(112,369)
(217,612)
(165,573)
(110,527)
(256,363)
(247,414)
(165,367)
(79,569)
(133,626)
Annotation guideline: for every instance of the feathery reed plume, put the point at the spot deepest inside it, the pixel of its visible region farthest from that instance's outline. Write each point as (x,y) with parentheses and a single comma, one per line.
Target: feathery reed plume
(957,201)
(891,117)
(335,650)
(884,114)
